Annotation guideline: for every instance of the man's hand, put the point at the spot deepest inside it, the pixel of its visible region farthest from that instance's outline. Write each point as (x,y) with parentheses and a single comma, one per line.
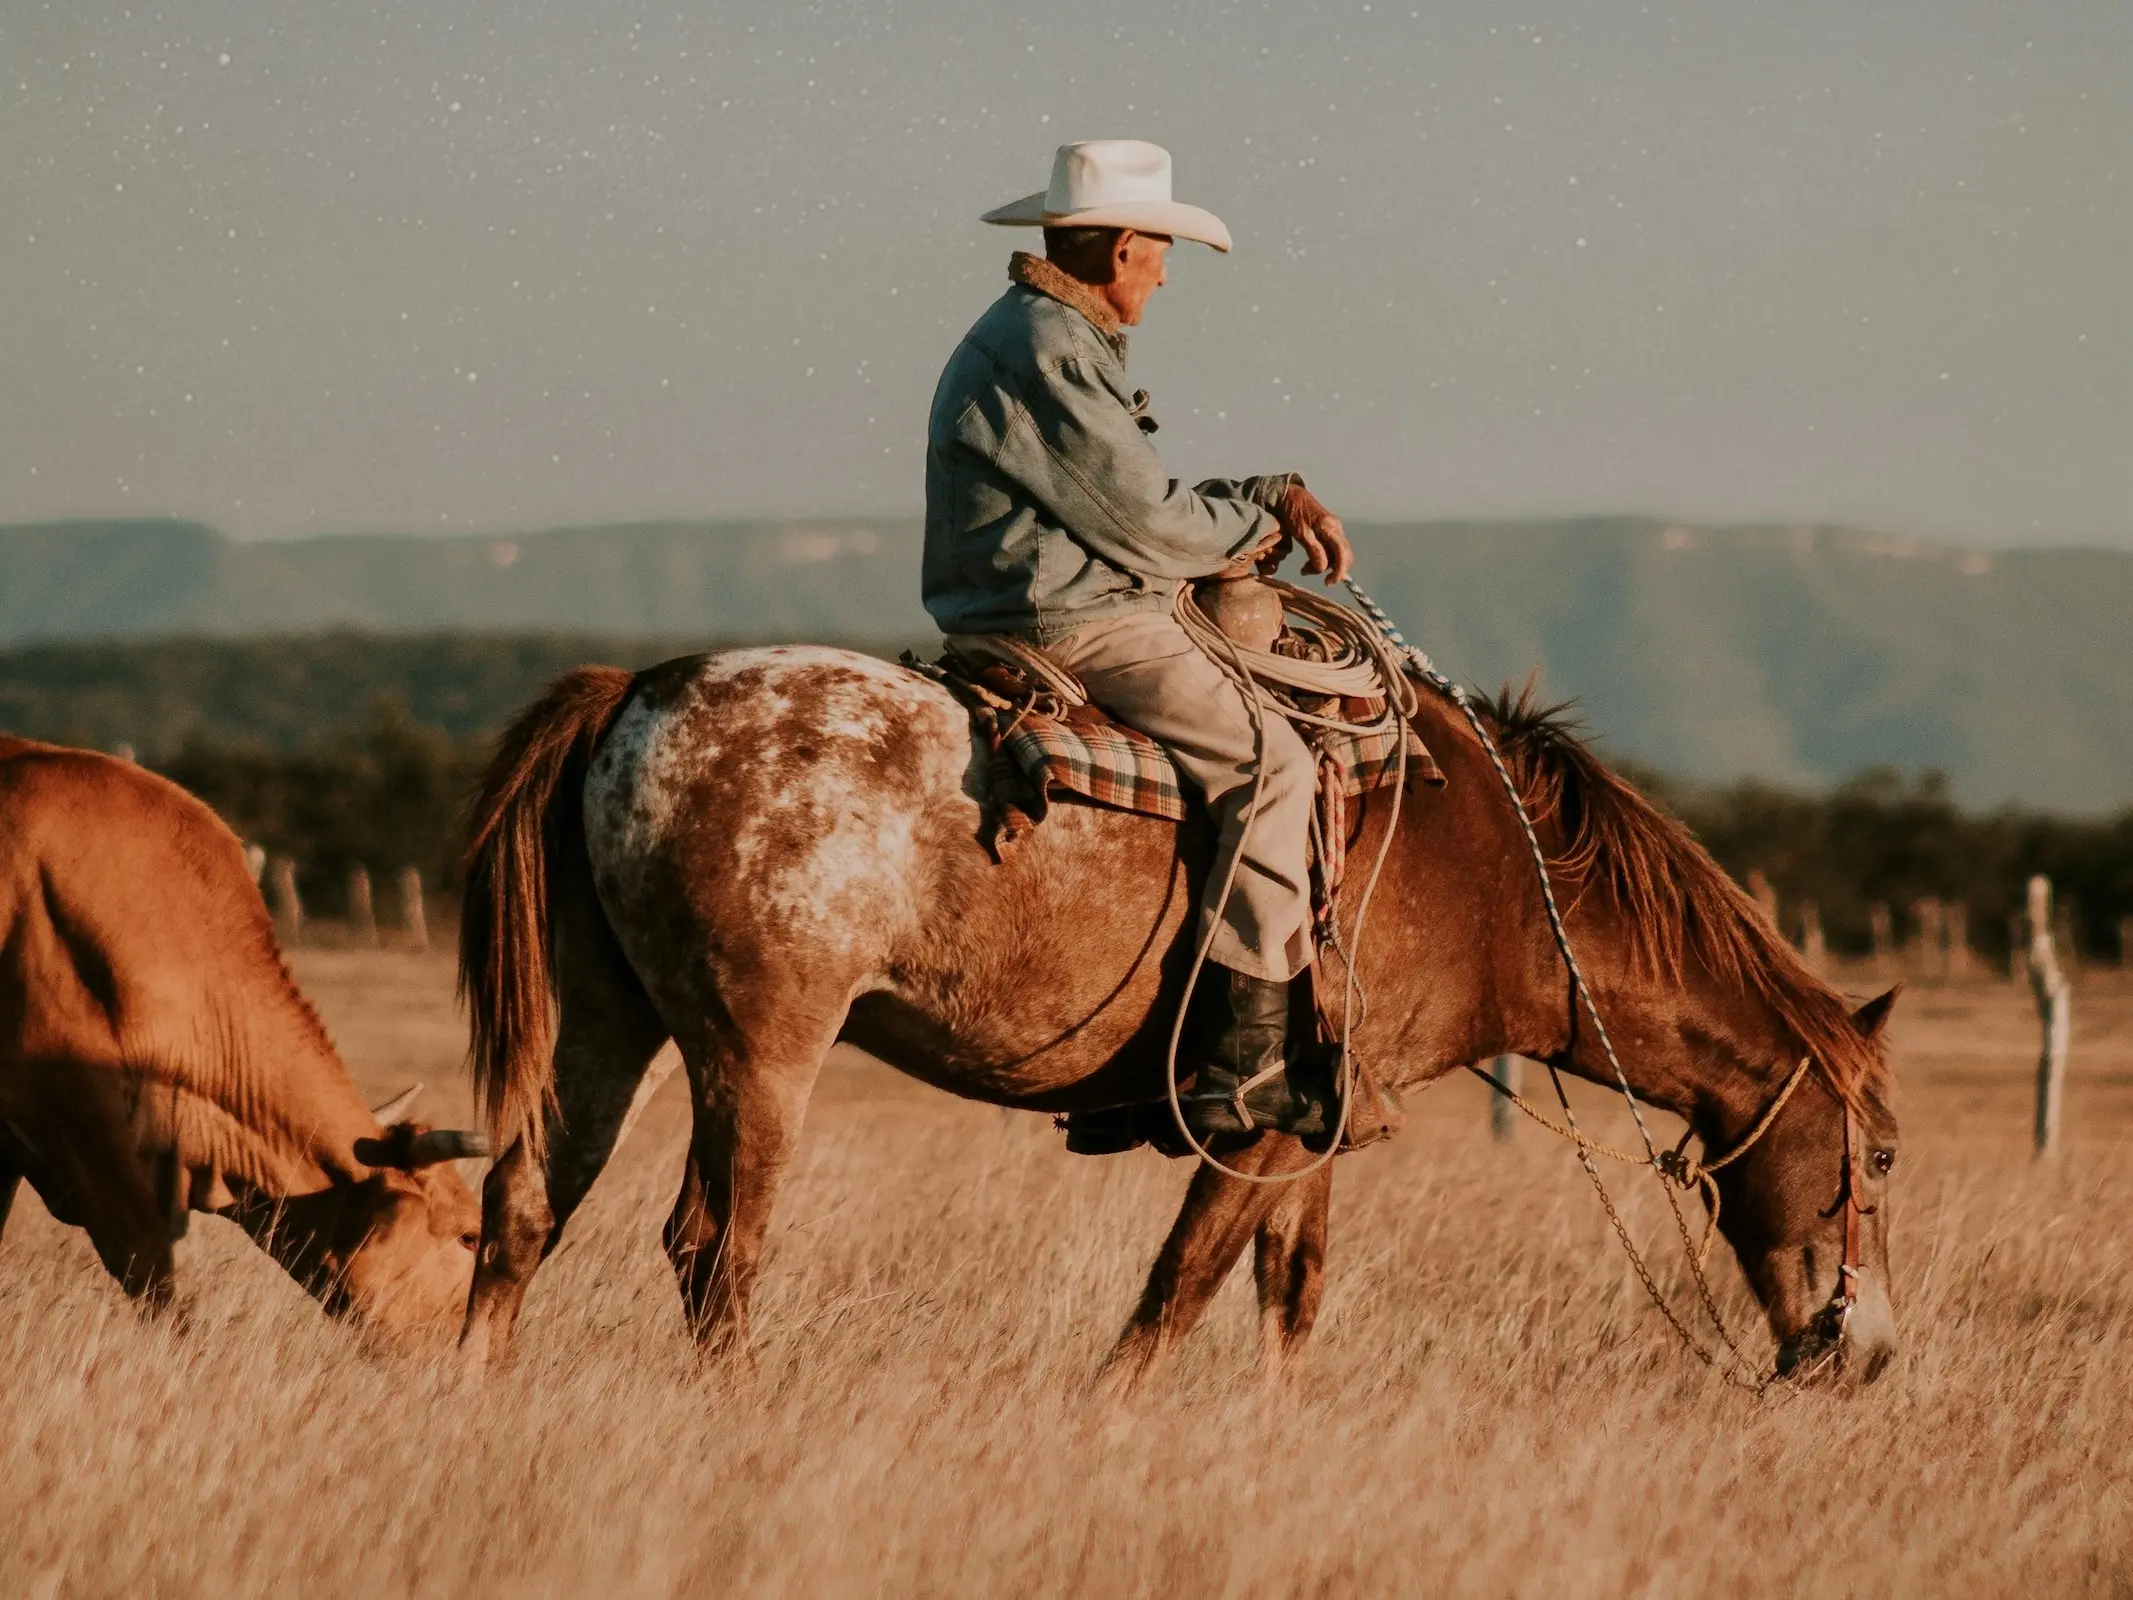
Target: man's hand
(1319,531)
(1263,557)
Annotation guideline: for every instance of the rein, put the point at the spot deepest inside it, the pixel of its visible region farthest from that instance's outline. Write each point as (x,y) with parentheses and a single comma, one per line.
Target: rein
(1675,1168)
(1683,1169)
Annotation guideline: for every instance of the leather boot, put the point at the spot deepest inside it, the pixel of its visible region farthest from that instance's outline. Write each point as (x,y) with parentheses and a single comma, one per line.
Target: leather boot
(1239,1028)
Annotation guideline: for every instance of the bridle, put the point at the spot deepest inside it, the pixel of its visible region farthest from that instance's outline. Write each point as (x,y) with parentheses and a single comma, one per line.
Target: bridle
(1830,1322)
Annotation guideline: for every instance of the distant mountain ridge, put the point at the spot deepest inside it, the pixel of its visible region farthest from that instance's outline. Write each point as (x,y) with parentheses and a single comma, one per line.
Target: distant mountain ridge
(1797,654)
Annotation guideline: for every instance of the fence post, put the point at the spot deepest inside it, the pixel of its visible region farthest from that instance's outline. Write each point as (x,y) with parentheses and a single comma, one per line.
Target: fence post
(1765,893)
(1877,919)
(412,920)
(255,862)
(1503,1116)
(1926,917)
(361,918)
(1957,929)
(287,906)
(1814,945)
(2054,1010)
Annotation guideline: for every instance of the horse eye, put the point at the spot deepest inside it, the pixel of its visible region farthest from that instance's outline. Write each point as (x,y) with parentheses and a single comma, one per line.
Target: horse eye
(1883,1160)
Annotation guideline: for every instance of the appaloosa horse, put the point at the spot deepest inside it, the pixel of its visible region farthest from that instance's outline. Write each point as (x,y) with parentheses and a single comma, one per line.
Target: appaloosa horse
(764,852)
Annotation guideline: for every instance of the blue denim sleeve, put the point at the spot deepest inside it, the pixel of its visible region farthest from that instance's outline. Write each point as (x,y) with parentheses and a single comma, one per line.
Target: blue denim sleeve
(1264,489)
(1109,489)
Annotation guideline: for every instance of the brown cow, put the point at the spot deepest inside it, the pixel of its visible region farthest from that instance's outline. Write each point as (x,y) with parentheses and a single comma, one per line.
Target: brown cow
(156,1059)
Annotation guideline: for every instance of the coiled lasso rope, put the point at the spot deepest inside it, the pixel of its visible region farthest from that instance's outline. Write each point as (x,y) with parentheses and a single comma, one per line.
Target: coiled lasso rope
(1361,663)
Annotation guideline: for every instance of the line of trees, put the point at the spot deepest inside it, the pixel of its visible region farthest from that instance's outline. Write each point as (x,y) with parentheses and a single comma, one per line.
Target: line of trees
(1890,840)
(387,793)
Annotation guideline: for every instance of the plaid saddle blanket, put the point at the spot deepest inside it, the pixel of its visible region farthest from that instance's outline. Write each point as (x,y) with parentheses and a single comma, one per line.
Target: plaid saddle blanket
(1043,750)
(1084,755)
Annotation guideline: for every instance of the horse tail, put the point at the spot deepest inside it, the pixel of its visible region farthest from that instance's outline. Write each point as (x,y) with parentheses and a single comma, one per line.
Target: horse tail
(525,831)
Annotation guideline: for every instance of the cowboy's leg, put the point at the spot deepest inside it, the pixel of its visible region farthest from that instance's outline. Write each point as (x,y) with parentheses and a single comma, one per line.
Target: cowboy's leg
(1145,670)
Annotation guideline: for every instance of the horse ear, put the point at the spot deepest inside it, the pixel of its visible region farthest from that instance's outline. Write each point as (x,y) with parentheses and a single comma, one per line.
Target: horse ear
(1871,1018)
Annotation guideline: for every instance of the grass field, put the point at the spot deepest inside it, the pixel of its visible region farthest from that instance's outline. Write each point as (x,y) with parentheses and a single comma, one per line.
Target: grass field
(1490,1408)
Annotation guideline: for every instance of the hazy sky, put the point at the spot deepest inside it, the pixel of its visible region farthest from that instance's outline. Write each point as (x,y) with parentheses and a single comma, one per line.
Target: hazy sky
(483,263)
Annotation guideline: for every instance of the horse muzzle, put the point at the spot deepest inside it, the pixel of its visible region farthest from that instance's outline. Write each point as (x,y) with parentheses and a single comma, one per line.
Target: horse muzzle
(1850,1342)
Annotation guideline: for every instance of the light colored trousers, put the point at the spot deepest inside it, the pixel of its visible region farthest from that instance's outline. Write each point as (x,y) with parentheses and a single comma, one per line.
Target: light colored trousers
(1145,670)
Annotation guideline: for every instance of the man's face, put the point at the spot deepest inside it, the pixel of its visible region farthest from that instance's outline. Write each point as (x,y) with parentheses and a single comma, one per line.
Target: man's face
(1136,273)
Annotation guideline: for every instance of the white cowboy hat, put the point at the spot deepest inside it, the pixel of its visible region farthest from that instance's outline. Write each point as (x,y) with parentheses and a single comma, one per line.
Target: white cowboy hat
(1112,183)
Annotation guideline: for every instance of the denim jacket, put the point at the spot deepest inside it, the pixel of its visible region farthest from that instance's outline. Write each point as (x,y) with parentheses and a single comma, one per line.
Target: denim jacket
(1047,507)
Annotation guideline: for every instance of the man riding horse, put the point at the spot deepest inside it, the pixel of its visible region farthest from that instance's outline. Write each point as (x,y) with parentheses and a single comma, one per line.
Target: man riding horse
(1051,520)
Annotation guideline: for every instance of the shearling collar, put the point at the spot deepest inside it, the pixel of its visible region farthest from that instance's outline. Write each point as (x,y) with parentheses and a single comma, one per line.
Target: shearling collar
(1034,272)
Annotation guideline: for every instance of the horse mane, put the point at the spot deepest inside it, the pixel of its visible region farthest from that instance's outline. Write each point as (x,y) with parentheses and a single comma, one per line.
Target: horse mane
(1679,905)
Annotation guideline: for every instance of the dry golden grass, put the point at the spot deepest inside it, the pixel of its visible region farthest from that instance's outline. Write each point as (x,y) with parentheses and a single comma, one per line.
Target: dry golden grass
(1491,1408)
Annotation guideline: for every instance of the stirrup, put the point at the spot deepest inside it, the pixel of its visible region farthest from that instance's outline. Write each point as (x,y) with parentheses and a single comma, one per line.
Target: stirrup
(1297,1097)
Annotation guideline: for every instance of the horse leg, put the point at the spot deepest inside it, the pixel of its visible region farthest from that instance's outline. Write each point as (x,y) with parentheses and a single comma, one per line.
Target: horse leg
(1289,1267)
(1219,1216)
(751,1091)
(607,1035)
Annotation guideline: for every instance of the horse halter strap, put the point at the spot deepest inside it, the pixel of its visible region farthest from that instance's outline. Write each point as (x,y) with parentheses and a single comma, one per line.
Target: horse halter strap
(1839,1310)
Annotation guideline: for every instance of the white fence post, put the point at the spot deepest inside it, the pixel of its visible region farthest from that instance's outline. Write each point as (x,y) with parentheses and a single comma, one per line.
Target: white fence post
(285,903)
(1503,1116)
(412,921)
(362,919)
(1878,920)
(1926,918)
(2054,1010)
(1764,893)
(1814,945)
(1957,928)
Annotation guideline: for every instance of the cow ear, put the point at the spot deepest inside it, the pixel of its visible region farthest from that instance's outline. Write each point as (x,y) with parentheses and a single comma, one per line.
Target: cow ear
(1873,1017)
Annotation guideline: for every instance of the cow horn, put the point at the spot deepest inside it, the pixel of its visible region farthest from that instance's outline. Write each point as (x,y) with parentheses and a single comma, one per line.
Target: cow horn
(399,1105)
(433,1145)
